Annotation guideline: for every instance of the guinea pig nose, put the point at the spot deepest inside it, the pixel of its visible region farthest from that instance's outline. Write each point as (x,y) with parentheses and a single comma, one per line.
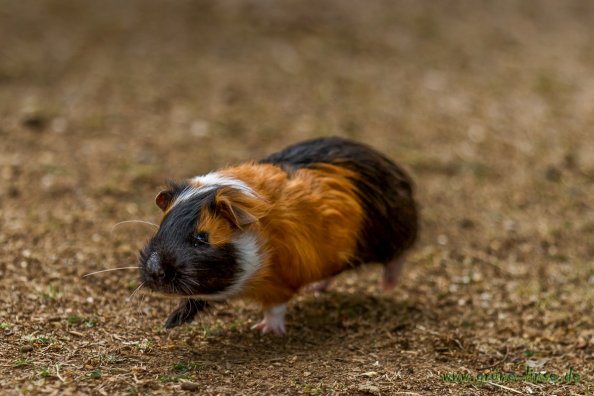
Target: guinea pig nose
(154,266)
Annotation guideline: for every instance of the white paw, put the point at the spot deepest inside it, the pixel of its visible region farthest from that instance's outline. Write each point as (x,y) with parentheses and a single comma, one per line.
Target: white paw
(274,328)
(274,321)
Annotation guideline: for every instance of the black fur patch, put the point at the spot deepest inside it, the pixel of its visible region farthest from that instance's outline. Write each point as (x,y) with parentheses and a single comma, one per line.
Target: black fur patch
(384,190)
(188,269)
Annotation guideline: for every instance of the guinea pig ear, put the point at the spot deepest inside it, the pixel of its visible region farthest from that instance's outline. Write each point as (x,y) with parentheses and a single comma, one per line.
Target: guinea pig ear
(240,208)
(164,198)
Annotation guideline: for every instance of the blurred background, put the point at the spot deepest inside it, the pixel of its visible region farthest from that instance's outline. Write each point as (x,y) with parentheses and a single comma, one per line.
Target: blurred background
(489,105)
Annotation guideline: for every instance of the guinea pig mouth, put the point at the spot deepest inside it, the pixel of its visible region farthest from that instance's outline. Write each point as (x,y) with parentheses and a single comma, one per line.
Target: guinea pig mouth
(174,287)
(168,282)
(169,289)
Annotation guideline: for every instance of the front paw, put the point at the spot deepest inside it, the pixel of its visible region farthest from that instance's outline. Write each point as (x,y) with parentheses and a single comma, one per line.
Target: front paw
(178,318)
(185,313)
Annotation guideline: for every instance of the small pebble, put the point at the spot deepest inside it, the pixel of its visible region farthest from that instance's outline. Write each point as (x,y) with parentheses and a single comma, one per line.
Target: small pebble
(369,389)
(35,122)
(59,125)
(553,174)
(190,386)
(467,223)
(442,240)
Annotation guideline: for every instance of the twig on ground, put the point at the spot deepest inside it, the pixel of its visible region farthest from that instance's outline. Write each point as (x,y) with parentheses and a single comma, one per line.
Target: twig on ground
(505,387)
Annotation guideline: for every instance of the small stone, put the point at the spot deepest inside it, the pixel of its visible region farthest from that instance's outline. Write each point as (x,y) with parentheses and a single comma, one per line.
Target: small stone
(509,225)
(59,125)
(13,192)
(190,386)
(47,181)
(199,128)
(537,363)
(35,121)
(553,174)
(7,173)
(581,343)
(476,133)
(495,246)
(467,224)
(369,389)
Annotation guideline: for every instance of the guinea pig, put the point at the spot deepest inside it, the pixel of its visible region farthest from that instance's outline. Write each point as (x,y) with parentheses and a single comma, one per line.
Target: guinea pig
(264,230)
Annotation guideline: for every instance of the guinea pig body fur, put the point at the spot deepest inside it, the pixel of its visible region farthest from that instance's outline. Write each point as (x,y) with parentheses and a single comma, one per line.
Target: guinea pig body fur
(263,230)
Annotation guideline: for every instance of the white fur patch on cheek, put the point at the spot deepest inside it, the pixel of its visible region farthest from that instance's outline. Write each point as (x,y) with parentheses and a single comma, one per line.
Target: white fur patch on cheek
(249,261)
(248,258)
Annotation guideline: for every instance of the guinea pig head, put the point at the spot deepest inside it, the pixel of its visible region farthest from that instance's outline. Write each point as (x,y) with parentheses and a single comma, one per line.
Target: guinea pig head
(207,243)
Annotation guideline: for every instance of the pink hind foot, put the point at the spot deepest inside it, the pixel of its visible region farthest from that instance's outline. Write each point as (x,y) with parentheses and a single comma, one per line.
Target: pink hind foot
(392,273)
(274,321)
(320,286)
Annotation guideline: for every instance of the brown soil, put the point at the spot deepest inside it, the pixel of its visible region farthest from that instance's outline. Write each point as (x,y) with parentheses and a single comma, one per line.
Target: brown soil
(488,104)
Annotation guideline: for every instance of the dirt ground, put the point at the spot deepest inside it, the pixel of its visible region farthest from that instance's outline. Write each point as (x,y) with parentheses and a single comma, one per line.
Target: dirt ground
(489,105)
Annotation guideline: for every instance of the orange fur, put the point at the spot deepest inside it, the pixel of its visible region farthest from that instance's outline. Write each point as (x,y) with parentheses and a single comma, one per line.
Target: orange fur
(309,226)
(219,230)
(238,210)
(241,209)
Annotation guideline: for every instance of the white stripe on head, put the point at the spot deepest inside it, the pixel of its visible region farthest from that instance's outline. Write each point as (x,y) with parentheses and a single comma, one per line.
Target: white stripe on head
(190,192)
(249,260)
(209,182)
(216,179)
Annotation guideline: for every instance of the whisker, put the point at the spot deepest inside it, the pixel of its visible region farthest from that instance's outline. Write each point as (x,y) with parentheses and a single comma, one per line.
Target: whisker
(138,300)
(135,303)
(134,292)
(134,221)
(193,281)
(187,289)
(139,305)
(109,269)
(128,299)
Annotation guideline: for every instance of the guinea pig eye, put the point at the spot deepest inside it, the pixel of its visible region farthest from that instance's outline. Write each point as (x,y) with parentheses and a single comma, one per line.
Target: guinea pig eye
(200,238)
